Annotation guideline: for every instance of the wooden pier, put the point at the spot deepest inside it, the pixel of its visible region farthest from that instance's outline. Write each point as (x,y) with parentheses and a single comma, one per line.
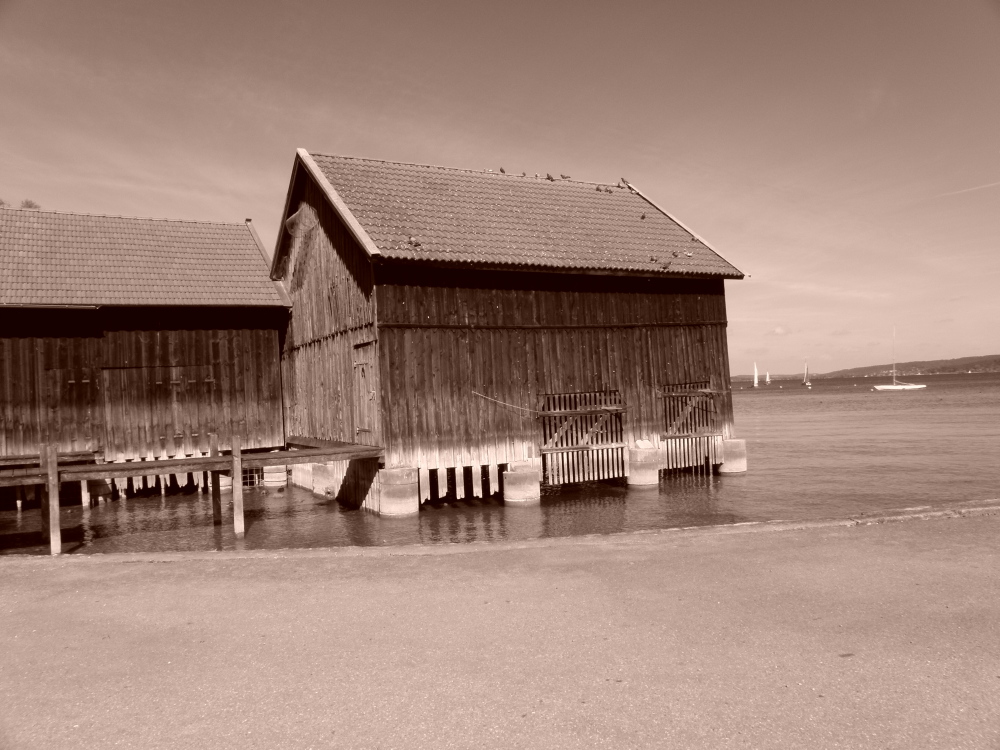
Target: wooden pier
(50,469)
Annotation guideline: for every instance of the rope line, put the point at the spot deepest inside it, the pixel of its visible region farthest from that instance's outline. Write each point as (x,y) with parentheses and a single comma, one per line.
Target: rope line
(504,403)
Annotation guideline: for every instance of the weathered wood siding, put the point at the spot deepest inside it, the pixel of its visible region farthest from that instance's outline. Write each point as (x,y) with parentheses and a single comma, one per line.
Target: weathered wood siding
(137,393)
(514,337)
(330,356)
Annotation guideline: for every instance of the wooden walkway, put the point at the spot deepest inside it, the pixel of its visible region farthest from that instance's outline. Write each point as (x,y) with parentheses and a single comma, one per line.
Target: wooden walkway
(51,468)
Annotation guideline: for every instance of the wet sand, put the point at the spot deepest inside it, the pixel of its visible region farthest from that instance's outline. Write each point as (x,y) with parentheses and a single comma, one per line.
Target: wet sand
(870,636)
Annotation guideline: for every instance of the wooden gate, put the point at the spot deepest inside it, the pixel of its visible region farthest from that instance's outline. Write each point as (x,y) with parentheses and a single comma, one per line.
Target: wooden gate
(693,420)
(582,436)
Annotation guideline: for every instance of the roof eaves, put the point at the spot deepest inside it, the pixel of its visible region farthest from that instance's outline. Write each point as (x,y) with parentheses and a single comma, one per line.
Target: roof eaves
(278,286)
(679,223)
(353,226)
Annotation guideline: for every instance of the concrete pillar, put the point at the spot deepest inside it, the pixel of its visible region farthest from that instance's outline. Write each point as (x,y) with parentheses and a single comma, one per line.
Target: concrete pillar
(644,466)
(302,475)
(522,482)
(734,457)
(399,492)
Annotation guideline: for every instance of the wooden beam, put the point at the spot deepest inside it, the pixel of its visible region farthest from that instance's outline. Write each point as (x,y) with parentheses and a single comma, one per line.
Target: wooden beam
(213,443)
(238,526)
(34,459)
(311,455)
(309,442)
(52,470)
(141,468)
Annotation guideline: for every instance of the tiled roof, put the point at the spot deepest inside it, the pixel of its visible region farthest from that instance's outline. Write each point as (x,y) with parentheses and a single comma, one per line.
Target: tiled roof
(450,215)
(51,258)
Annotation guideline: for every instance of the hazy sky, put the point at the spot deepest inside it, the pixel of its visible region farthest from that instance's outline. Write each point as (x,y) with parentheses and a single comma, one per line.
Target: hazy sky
(845,155)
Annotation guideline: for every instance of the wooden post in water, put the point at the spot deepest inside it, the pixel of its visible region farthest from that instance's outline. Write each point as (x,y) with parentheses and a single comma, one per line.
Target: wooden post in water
(52,501)
(43,464)
(84,494)
(213,450)
(237,488)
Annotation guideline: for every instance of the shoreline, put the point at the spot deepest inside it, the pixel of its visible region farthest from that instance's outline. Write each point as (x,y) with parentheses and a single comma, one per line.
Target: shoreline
(987,507)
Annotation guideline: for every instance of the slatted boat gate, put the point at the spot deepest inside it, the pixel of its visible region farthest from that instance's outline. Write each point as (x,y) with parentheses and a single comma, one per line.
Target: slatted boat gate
(693,416)
(582,436)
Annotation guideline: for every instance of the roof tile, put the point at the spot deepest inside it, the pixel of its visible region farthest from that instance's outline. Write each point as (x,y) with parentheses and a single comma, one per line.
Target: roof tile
(418,212)
(53,258)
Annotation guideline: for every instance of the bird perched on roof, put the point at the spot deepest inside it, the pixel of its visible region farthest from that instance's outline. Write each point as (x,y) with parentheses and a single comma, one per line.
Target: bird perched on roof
(525,174)
(643,216)
(413,241)
(598,188)
(687,254)
(501,171)
(549,177)
(608,190)
(564,176)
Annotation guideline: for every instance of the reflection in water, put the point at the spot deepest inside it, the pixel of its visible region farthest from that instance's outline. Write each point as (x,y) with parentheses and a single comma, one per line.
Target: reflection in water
(836,450)
(293,517)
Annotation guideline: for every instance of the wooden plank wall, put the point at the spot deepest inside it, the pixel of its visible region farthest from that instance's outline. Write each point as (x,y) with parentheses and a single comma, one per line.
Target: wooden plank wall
(140,394)
(440,345)
(330,280)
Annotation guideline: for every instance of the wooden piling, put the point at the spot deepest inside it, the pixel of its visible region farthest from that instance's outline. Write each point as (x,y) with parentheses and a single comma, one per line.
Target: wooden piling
(52,501)
(213,442)
(237,488)
(84,494)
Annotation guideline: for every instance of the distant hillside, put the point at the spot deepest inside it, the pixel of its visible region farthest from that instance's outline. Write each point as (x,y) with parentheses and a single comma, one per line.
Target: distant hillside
(988,363)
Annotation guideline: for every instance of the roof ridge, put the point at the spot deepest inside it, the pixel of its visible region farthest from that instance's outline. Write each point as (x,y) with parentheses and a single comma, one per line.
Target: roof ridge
(461,169)
(120,216)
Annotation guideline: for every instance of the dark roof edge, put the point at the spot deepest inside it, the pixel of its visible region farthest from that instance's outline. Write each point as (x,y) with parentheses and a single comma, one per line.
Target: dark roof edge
(683,226)
(566,270)
(103,305)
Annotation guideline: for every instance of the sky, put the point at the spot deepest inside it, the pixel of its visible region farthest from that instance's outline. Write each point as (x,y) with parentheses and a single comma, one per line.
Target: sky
(845,156)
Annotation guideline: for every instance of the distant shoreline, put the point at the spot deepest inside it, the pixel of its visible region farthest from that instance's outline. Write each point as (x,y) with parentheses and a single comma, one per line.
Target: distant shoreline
(900,372)
(988,363)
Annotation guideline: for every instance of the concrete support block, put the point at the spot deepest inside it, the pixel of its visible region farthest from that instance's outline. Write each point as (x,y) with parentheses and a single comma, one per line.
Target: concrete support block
(522,484)
(322,478)
(399,492)
(302,475)
(644,466)
(734,459)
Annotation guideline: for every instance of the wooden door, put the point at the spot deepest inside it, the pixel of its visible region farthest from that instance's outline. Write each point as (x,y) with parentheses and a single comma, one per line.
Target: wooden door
(365,393)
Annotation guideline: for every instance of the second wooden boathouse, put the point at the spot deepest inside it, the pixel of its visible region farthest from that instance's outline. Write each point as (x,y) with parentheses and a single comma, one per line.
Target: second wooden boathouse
(129,338)
(474,323)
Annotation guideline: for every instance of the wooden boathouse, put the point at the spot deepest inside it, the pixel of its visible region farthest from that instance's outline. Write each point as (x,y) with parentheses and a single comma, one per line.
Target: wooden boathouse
(125,339)
(492,330)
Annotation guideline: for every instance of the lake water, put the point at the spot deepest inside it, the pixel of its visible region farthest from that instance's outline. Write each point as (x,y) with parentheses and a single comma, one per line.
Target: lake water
(838,450)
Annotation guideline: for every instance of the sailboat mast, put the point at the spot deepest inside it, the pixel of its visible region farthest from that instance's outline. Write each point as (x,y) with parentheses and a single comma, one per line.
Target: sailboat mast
(894,355)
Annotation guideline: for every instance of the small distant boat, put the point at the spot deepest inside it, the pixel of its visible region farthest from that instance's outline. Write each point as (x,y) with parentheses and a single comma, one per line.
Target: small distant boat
(805,376)
(897,385)
(767,378)
(755,383)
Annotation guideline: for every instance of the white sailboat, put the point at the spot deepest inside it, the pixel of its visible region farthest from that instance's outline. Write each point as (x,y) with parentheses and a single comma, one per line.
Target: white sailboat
(767,378)
(896,384)
(755,383)
(805,376)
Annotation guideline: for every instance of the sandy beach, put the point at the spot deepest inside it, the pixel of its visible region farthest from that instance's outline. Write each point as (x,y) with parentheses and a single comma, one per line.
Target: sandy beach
(882,635)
